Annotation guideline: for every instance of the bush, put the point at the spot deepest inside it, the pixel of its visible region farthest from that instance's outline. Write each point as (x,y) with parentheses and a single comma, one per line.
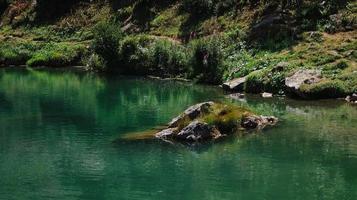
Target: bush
(265,81)
(106,42)
(168,59)
(134,55)
(207,60)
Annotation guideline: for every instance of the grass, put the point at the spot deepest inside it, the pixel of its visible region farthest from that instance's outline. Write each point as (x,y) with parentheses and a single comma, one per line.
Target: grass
(57,55)
(33,53)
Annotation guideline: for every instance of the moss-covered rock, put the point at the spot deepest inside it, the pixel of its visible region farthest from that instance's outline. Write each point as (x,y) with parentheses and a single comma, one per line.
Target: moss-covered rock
(208,121)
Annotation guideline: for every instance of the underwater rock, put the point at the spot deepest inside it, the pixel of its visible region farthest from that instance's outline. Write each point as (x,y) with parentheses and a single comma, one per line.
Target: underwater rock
(237,96)
(258,122)
(267,95)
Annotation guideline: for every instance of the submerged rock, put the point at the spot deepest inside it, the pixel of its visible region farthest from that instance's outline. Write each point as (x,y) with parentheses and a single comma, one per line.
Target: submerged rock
(293,83)
(258,122)
(267,95)
(209,121)
(236,85)
(237,96)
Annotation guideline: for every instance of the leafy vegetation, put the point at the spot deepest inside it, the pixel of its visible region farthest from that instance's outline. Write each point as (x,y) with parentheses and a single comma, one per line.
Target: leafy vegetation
(210,41)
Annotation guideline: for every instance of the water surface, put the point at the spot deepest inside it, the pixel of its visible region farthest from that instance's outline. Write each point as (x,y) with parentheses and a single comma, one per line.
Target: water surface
(57,131)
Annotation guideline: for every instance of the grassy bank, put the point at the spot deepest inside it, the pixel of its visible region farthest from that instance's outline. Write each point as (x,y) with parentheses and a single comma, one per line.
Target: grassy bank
(207,41)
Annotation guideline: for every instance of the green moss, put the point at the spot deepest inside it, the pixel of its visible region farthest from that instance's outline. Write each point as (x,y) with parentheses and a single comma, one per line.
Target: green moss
(325,89)
(226,118)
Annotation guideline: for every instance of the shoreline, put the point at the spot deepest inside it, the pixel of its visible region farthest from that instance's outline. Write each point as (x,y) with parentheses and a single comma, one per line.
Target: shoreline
(228,94)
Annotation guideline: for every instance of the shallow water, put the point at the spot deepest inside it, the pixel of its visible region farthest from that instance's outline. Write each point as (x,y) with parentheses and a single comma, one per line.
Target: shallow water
(57,131)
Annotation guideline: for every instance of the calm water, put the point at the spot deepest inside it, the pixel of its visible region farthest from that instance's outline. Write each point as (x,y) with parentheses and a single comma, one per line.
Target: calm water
(57,131)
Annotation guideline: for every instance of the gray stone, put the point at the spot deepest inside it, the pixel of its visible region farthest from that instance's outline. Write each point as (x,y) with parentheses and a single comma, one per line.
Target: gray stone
(267,95)
(191,113)
(237,96)
(308,76)
(258,122)
(198,131)
(235,84)
(166,133)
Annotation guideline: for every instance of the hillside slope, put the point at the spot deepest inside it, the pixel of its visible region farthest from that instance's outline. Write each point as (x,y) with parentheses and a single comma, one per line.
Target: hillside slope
(208,41)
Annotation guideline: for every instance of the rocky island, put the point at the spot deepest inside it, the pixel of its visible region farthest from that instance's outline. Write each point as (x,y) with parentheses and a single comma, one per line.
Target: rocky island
(208,121)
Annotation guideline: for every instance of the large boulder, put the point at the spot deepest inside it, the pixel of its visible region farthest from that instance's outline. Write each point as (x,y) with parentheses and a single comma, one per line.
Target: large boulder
(191,113)
(308,76)
(273,25)
(235,85)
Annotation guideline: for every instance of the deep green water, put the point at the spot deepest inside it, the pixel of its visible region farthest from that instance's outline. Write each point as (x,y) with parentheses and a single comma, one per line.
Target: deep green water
(57,131)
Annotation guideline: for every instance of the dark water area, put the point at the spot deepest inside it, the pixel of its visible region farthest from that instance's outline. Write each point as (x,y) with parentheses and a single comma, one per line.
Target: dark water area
(57,133)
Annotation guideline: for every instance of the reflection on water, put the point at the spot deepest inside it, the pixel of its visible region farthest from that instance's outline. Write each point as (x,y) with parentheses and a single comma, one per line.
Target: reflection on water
(57,128)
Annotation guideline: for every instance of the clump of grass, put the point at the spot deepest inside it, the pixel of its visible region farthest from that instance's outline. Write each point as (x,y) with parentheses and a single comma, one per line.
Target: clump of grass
(56,55)
(17,53)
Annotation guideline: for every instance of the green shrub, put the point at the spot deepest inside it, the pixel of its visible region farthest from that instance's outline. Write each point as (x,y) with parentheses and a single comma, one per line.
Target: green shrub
(134,55)
(106,42)
(207,60)
(265,81)
(350,81)
(168,59)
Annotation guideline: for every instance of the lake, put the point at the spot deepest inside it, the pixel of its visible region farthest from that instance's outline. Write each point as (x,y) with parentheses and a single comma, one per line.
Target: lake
(59,135)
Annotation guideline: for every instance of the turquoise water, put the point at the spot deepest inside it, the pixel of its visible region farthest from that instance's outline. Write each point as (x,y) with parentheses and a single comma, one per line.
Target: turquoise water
(57,133)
